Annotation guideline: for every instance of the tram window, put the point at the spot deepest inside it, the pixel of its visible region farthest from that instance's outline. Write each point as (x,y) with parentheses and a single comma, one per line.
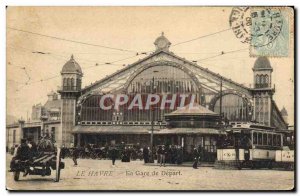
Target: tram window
(278,140)
(270,139)
(255,138)
(259,138)
(265,139)
(274,140)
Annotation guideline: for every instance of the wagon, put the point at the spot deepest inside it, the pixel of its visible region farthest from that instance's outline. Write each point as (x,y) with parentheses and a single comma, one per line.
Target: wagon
(48,157)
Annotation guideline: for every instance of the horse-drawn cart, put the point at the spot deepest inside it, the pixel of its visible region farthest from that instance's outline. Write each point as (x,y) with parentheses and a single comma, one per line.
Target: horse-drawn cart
(46,158)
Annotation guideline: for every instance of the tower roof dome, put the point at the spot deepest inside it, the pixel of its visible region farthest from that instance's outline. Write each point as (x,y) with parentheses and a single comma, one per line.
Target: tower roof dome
(71,67)
(262,63)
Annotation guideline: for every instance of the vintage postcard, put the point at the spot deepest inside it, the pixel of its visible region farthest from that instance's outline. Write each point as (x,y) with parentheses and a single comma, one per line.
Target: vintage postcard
(150,98)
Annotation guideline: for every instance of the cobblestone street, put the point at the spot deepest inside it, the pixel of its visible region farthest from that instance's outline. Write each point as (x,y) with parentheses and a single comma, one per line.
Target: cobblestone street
(101,175)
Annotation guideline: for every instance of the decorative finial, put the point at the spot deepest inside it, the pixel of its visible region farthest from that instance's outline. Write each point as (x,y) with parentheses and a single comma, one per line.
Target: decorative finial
(162,33)
(72,57)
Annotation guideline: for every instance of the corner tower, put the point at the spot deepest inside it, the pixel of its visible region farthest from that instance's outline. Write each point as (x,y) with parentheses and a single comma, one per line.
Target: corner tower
(263,90)
(71,76)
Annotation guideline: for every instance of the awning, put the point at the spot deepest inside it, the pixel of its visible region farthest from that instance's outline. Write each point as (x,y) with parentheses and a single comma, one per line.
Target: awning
(113,129)
(208,131)
(142,130)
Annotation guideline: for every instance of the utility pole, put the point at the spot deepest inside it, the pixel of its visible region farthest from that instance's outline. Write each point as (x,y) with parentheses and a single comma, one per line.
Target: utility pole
(152,119)
(221,92)
(152,122)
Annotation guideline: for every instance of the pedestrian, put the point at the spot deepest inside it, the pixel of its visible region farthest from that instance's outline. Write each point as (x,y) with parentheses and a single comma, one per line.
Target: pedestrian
(196,158)
(75,155)
(173,152)
(113,155)
(146,154)
(163,156)
(179,155)
(159,152)
(125,156)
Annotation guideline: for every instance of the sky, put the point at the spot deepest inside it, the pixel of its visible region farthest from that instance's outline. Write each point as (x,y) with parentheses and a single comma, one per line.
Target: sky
(124,31)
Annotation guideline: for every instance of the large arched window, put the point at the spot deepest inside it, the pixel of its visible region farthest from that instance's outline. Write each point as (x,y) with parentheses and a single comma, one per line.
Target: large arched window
(167,80)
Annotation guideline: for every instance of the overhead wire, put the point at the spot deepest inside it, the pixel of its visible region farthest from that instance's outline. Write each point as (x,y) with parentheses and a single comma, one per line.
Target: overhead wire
(112,62)
(200,37)
(69,40)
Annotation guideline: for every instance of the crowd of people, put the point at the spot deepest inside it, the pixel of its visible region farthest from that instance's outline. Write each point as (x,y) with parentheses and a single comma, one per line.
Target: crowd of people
(171,154)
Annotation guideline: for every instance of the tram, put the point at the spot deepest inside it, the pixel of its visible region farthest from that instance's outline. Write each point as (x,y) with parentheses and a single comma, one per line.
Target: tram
(284,158)
(249,145)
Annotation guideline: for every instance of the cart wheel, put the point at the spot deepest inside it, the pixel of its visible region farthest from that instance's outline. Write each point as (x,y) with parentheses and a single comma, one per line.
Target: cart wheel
(16,175)
(58,160)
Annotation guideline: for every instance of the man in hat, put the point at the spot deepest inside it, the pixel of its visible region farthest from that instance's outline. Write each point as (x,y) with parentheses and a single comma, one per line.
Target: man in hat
(196,156)
(146,154)
(163,156)
(75,155)
(22,153)
(113,154)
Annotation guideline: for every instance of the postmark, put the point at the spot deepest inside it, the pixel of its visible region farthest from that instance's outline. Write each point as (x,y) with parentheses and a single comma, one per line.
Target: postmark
(265,29)
(240,22)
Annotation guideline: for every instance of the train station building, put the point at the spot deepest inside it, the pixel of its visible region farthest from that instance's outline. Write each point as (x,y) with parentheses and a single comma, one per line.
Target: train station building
(82,121)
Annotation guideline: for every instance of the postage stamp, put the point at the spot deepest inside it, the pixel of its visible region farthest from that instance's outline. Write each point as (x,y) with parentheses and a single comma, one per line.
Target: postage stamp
(265,29)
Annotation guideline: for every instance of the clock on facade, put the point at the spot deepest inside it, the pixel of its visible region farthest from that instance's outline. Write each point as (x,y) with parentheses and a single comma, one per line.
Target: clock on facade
(162,43)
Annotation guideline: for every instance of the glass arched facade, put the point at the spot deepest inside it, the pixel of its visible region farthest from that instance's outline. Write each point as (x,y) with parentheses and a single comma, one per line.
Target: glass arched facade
(168,81)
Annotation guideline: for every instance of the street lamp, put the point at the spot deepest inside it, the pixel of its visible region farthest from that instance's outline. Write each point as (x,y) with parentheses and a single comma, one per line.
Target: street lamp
(152,120)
